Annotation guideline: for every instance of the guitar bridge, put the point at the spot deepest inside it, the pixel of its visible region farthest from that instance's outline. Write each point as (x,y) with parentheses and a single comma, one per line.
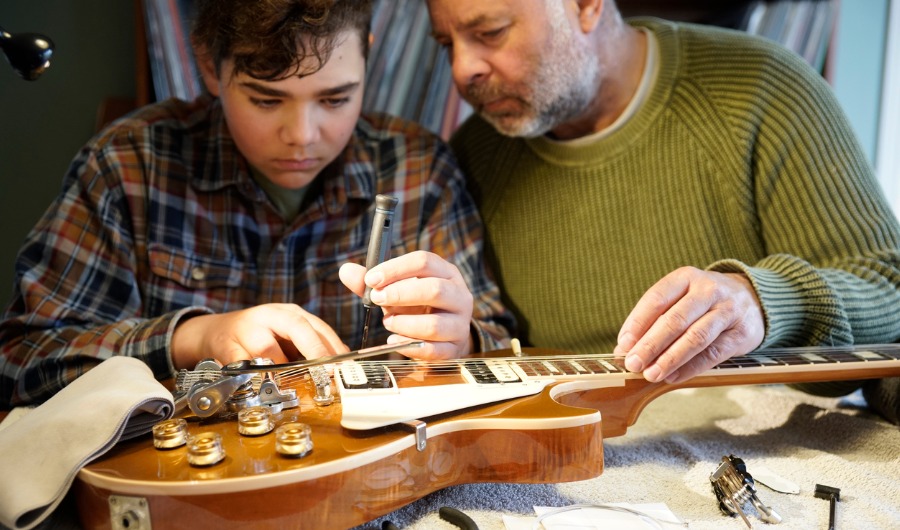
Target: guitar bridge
(207,390)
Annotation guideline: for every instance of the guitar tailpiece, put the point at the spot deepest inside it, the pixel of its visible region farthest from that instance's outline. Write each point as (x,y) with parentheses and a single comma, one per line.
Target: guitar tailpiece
(734,487)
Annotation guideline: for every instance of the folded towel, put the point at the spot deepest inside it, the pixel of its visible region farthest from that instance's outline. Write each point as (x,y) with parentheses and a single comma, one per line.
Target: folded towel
(46,447)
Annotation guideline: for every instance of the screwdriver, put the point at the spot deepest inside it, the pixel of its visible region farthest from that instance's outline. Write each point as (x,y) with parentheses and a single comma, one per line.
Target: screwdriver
(379,246)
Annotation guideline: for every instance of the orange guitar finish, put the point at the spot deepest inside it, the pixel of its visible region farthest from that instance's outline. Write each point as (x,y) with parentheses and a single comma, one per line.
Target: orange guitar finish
(352,477)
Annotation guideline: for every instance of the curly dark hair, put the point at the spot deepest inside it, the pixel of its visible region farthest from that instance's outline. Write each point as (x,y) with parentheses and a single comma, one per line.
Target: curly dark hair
(273,39)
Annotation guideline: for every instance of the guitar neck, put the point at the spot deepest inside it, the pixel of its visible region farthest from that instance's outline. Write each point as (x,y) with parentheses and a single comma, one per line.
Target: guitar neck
(602,382)
(810,364)
(781,365)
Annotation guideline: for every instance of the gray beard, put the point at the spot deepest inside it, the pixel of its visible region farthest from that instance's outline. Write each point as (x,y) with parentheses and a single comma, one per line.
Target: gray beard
(563,88)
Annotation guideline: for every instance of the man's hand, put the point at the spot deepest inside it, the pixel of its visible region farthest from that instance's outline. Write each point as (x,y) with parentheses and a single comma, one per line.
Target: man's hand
(281,332)
(690,321)
(423,297)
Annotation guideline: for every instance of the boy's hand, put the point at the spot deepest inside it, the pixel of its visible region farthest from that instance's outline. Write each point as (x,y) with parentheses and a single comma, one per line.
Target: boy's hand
(281,332)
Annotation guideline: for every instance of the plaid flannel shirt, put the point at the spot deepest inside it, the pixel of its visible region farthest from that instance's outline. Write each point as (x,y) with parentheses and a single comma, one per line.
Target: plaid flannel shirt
(159,219)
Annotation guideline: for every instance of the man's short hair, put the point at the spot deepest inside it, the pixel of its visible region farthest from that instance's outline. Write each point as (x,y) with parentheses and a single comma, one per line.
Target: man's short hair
(274,39)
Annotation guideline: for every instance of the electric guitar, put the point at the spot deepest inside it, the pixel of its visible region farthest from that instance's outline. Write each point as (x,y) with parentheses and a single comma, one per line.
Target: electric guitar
(383,434)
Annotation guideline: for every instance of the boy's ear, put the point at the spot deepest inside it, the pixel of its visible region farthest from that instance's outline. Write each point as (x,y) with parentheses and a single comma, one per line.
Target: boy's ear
(207,68)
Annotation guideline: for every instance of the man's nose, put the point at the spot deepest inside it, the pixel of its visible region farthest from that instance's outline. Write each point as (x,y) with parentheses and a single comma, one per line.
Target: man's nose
(468,66)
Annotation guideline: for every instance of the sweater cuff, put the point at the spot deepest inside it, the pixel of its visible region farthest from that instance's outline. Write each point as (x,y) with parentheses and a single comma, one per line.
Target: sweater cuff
(798,305)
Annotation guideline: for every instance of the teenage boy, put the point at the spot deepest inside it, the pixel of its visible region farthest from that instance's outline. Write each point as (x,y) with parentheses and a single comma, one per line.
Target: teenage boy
(218,227)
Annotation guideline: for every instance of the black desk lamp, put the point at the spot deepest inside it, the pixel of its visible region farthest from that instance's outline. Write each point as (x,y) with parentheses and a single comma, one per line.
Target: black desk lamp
(28,53)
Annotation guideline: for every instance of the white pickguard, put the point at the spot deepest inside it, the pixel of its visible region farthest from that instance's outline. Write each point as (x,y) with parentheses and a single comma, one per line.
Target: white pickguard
(369,408)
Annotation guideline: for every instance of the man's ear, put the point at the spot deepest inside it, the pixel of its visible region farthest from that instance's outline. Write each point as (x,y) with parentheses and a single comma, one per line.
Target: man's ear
(207,68)
(589,14)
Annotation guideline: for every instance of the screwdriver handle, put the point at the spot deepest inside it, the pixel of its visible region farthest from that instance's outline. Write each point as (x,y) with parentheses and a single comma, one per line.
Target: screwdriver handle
(380,239)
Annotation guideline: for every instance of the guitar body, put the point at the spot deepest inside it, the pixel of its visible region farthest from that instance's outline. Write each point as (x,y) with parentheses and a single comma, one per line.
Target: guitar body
(349,478)
(352,475)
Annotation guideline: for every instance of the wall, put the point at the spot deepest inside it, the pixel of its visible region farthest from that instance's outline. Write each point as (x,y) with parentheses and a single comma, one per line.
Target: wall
(43,123)
(888,156)
(861,35)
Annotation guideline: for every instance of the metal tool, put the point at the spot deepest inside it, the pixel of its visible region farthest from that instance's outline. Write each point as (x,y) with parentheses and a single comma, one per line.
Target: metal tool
(249,367)
(379,247)
(833,495)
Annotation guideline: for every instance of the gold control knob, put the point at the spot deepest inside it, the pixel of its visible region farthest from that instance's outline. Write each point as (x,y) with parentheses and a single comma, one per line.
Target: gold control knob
(205,449)
(293,440)
(255,421)
(170,433)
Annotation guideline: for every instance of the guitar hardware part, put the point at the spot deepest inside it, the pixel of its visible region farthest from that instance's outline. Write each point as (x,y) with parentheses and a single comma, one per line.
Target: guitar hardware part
(206,400)
(169,434)
(243,397)
(255,421)
(210,388)
(516,347)
(293,440)
(418,429)
(324,395)
(129,513)
(734,487)
(271,395)
(205,449)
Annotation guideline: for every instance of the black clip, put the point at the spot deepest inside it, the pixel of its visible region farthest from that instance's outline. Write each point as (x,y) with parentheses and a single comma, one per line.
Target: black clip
(458,518)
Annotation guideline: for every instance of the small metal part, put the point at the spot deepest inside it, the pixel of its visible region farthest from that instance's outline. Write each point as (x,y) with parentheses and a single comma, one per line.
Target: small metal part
(322,382)
(246,367)
(833,495)
(365,333)
(272,396)
(293,440)
(417,427)
(169,434)
(205,449)
(205,372)
(209,364)
(734,487)
(244,397)
(206,400)
(255,421)
(129,513)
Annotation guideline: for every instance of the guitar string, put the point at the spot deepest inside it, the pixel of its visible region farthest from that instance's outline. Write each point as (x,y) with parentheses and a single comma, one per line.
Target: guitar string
(412,365)
(406,367)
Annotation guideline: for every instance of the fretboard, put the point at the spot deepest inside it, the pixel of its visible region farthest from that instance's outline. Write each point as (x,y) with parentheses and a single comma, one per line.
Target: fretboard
(782,364)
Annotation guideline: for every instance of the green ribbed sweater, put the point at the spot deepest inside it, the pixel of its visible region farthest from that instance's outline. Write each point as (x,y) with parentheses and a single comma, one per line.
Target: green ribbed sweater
(740,160)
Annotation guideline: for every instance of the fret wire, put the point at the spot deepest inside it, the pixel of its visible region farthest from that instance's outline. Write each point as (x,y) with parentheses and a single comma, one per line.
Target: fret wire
(535,366)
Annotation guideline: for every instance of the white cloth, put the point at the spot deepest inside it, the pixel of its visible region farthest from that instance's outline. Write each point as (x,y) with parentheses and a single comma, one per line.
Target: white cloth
(43,449)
